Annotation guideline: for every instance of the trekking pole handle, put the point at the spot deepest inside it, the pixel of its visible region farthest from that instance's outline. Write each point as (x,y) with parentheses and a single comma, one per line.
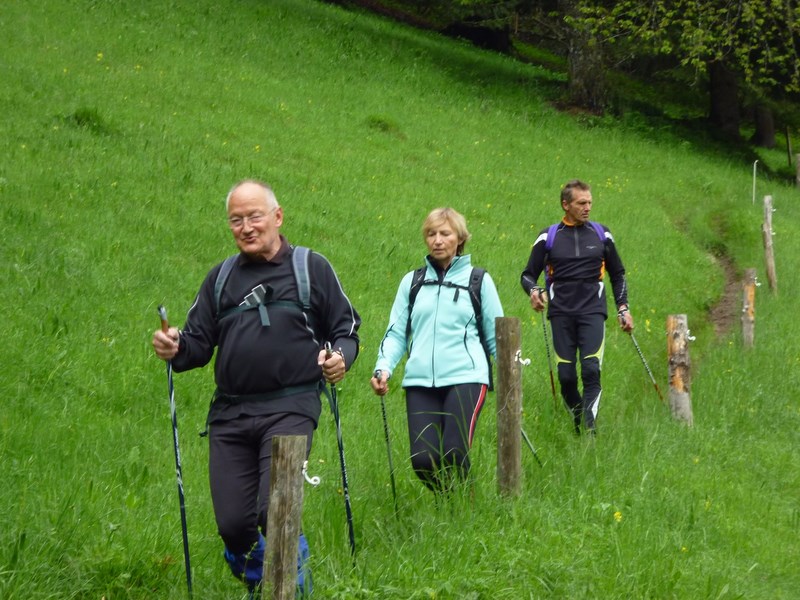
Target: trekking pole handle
(162,313)
(329,351)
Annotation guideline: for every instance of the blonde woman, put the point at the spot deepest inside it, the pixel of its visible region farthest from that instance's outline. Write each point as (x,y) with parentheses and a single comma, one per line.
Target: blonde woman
(448,370)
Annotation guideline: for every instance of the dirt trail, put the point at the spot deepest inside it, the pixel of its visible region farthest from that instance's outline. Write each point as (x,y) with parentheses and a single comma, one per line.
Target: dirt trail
(724,314)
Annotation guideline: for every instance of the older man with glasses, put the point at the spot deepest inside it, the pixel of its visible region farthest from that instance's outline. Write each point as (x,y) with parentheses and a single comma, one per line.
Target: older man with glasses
(268,371)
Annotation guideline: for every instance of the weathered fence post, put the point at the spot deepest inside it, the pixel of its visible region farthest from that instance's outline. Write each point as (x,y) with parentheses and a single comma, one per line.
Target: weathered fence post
(284,516)
(769,254)
(749,307)
(797,165)
(509,406)
(680,400)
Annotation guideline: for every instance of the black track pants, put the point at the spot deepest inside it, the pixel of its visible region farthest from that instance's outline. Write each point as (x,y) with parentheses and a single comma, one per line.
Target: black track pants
(239,459)
(441,424)
(580,336)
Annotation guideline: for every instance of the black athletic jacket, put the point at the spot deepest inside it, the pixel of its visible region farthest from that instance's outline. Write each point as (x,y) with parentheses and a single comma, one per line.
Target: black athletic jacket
(274,367)
(576,265)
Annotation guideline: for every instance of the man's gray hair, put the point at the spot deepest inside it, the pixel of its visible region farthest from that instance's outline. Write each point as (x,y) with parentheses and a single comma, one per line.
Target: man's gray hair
(272,201)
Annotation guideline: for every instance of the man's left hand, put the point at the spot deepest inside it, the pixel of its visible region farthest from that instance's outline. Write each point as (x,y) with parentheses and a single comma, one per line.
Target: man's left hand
(333,366)
(625,319)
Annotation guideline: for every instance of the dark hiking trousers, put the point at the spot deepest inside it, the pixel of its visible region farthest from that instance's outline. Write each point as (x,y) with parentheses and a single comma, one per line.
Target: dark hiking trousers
(580,337)
(441,424)
(240,454)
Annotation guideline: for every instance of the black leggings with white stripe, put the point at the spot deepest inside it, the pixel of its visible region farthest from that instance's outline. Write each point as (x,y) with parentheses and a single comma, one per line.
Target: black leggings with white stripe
(583,337)
(441,424)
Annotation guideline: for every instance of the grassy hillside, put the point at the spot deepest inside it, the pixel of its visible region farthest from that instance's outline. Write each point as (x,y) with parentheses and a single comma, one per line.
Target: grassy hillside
(124,125)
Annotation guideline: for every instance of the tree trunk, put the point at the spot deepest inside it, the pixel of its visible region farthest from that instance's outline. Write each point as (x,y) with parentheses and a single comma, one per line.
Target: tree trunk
(764,136)
(724,97)
(587,82)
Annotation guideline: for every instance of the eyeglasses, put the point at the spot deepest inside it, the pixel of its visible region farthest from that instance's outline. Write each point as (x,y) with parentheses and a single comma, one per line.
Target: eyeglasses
(254,219)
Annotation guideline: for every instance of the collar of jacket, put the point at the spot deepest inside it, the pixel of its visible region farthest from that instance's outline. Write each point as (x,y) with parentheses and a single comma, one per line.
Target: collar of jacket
(459,265)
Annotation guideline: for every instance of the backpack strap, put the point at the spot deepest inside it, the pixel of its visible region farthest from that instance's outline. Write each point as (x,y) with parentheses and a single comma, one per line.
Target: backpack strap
(551,236)
(475,285)
(548,245)
(601,233)
(222,278)
(300,259)
(416,283)
(300,266)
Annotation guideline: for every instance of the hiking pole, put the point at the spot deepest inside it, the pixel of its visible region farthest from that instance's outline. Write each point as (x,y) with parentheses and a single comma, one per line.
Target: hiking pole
(530,445)
(345,487)
(377,375)
(549,363)
(646,366)
(162,313)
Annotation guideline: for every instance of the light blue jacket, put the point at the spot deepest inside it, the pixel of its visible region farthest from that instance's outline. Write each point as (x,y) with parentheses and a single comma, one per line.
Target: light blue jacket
(445,349)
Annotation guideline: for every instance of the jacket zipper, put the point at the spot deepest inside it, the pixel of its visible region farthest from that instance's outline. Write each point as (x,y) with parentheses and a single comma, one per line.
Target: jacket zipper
(435,329)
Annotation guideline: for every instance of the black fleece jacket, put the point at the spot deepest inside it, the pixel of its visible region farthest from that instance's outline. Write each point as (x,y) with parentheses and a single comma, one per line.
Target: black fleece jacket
(253,359)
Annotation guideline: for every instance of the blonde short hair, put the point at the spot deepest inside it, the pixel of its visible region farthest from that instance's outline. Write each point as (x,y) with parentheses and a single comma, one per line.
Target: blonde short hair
(454,218)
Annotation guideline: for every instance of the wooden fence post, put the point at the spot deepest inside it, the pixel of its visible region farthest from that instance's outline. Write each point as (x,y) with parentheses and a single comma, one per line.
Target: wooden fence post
(284,516)
(797,165)
(680,400)
(769,253)
(509,406)
(749,307)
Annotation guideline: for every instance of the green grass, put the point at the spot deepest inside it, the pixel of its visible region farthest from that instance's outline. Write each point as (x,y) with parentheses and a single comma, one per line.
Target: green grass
(124,125)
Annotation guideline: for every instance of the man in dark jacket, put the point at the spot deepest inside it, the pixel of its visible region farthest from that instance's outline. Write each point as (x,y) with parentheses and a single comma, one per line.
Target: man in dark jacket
(576,254)
(269,367)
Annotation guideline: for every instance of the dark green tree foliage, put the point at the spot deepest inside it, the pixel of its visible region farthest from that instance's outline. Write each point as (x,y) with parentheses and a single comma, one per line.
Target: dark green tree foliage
(746,52)
(758,39)
(497,14)
(749,43)
(486,23)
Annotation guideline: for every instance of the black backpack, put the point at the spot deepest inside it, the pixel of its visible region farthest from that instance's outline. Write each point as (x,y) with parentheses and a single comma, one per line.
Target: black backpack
(474,290)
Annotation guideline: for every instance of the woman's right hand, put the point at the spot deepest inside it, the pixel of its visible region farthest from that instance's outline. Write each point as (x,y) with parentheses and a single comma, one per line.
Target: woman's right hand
(380,382)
